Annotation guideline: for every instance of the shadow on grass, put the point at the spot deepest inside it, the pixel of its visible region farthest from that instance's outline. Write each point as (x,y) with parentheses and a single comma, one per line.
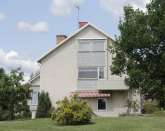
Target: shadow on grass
(81,124)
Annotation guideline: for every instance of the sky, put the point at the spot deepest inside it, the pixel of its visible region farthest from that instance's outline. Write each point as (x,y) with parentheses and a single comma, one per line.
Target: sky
(28,28)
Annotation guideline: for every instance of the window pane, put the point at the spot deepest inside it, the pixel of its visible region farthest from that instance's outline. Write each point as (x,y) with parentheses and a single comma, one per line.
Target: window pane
(101,104)
(91,58)
(84,45)
(98,45)
(34,98)
(91,45)
(101,73)
(87,73)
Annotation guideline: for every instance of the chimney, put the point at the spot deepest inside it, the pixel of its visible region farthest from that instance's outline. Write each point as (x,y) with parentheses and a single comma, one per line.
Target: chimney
(81,24)
(60,38)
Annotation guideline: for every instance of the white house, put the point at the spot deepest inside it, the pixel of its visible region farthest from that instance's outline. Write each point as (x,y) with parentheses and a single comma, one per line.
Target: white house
(81,64)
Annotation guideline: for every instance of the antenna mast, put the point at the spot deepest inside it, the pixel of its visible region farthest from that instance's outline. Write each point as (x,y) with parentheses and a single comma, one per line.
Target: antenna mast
(78,14)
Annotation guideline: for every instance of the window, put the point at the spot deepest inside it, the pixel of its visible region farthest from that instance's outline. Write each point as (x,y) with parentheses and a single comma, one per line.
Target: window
(84,45)
(91,73)
(98,45)
(101,73)
(91,59)
(101,104)
(34,98)
(91,45)
(87,73)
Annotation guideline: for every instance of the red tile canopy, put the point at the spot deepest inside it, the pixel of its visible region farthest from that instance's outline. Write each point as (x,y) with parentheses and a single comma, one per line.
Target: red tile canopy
(91,94)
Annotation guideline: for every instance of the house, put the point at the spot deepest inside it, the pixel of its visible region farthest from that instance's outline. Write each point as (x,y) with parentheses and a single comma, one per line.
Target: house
(81,64)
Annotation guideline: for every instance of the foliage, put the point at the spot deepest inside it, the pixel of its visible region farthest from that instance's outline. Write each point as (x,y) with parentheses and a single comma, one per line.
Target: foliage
(140,50)
(13,95)
(72,112)
(44,105)
(150,108)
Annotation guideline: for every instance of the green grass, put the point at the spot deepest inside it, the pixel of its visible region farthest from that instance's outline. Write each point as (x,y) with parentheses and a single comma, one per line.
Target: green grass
(99,124)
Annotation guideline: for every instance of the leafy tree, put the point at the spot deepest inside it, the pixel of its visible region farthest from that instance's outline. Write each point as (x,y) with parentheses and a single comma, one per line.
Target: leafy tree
(44,105)
(140,50)
(13,95)
(72,112)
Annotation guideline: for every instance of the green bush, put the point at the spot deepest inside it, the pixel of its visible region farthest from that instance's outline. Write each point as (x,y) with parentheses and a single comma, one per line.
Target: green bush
(72,111)
(150,108)
(44,105)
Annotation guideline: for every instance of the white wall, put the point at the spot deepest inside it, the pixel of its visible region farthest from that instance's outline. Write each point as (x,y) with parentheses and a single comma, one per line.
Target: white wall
(116,104)
(59,72)
(119,101)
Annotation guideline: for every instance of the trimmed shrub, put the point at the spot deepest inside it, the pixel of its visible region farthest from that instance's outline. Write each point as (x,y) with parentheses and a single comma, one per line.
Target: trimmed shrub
(150,108)
(72,112)
(44,105)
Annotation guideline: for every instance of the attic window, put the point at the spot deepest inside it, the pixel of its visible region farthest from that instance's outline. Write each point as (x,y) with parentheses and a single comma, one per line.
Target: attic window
(91,45)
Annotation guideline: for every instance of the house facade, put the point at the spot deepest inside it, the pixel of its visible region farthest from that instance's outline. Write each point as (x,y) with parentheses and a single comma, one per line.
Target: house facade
(81,64)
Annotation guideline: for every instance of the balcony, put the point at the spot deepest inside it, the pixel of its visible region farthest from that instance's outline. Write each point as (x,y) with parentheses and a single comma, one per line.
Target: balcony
(102,85)
(111,85)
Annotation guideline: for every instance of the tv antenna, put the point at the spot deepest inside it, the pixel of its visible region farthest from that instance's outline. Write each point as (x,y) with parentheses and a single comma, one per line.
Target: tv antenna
(78,14)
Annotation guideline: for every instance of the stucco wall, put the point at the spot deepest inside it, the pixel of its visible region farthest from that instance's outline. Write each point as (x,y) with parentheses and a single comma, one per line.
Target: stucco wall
(119,101)
(59,72)
(116,104)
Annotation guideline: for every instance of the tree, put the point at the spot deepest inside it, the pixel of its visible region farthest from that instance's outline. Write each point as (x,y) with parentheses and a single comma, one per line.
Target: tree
(140,50)
(13,95)
(44,105)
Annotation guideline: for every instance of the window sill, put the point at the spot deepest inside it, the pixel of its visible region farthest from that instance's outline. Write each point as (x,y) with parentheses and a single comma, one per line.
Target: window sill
(103,110)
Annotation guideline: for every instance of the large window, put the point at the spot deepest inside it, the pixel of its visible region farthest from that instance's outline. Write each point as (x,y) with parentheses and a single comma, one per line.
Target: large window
(101,104)
(91,53)
(91,73)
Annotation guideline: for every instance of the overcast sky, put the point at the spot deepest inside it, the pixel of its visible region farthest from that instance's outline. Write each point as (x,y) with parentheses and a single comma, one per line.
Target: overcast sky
(28,27)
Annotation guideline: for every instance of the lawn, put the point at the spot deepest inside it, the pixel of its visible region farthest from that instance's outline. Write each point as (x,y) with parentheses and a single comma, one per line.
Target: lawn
(99,124)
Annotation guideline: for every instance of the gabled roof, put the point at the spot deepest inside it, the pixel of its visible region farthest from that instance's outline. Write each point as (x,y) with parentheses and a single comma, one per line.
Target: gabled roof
(72,35)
